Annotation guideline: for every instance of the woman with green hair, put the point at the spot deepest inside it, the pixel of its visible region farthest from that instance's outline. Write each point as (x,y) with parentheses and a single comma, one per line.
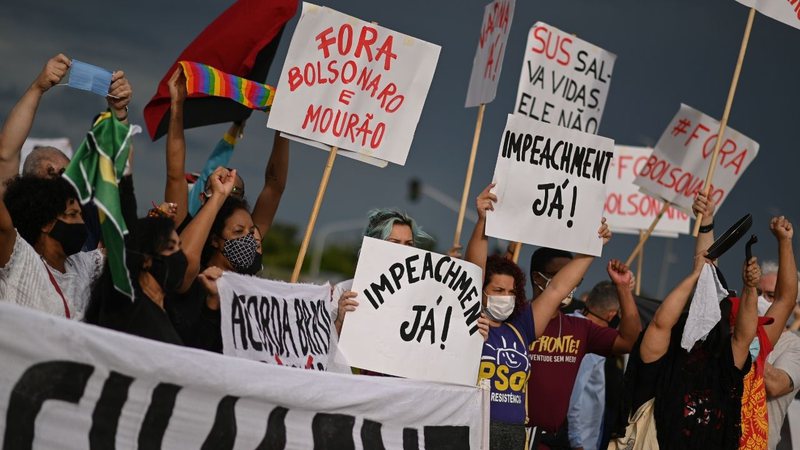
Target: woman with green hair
(389,225)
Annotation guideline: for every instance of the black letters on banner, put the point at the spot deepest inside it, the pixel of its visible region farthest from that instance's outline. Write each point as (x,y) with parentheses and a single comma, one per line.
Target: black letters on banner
(66,381)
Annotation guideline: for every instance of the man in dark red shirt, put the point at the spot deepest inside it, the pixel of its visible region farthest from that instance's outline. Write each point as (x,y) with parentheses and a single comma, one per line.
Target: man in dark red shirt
(556,356)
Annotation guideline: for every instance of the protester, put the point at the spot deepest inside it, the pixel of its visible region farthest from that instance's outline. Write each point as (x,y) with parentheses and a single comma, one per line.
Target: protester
(587,404)
(557,354)
(513,324)
(156,266)
(754,408)
(194,315)
(386,224)
(47,161)
(41,234)
(782,371)
(177,190)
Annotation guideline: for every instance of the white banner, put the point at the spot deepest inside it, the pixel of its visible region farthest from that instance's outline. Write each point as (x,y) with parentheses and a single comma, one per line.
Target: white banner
(629,210)
(354,85)
(68,385)
(417,315)
(677,169)
(275,322)
(564,80)
(550,186)
(488,61)
(786,11)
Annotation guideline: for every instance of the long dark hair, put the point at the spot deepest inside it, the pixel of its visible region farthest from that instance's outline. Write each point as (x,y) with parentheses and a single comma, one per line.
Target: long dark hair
(147,237)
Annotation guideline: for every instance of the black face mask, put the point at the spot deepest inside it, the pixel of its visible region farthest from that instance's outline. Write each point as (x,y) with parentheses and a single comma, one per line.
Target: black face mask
(71,236)
(170,270)
(253,268)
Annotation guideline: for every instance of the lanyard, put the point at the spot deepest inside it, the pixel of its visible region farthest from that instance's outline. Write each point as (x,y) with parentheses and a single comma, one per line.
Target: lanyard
(58,289)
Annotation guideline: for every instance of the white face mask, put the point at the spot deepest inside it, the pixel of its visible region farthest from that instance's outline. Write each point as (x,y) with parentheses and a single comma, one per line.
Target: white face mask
(763,305)
(566,300)
(499,307)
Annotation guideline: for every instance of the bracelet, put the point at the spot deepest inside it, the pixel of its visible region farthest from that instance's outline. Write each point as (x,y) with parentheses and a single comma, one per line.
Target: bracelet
(706,228)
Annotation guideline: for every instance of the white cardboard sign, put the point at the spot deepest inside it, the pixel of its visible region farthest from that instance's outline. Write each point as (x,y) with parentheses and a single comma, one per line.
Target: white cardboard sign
(786,11)
(275,322)
(677,169)
(353,85)
(417,315)
(550,186)
(627,209)
(488,61)
(564,80)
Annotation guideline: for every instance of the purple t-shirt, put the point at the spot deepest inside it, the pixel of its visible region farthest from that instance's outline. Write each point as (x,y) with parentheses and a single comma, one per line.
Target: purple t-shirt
(505,362)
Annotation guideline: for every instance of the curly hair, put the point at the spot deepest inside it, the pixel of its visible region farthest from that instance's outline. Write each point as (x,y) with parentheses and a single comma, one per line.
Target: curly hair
(382,220)
(34,202)
(231,205)
(497,265)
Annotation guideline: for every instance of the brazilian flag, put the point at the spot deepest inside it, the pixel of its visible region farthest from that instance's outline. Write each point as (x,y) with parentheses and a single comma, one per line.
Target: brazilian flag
(95,172)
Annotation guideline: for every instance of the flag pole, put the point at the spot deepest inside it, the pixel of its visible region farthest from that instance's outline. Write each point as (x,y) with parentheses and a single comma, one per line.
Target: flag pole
(323,185)
(470,167)
(726,113)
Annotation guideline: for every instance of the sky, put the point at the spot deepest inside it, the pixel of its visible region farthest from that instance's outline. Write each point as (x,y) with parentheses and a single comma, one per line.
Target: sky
(668,52)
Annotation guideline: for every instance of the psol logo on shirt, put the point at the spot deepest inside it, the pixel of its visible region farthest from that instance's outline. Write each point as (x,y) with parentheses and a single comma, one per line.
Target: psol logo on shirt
(556,349)
(508,366)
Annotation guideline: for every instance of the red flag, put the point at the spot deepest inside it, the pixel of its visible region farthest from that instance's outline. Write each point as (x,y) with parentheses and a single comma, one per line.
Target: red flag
(242,41)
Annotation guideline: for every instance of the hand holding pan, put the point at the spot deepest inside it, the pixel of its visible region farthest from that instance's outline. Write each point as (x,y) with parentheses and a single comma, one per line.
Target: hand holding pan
(748,248)
(730,237)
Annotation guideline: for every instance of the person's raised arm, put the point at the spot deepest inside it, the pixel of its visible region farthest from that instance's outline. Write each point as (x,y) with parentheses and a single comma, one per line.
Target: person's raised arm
(744,331)
(702,205)
(478,245)
(20,120)
(194,236)
(786,286)
(8,235)
(177,190)
(630,325)
(219,157)
(655,341)
(547,303)
(274,184)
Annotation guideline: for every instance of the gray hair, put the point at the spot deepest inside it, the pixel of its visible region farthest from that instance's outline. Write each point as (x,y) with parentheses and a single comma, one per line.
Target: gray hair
(768,267)
(35,164)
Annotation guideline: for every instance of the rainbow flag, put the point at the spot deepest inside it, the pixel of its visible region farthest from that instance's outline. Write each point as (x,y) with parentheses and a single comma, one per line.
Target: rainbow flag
(203,79)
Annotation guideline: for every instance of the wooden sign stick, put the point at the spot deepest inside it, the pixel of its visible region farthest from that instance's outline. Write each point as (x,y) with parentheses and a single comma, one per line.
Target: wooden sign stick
(726,113)
(647,234)
(468,181)
(639,264)
(323,185)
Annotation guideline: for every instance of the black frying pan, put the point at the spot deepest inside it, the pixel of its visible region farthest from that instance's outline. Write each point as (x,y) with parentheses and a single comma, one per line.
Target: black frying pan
(730,237)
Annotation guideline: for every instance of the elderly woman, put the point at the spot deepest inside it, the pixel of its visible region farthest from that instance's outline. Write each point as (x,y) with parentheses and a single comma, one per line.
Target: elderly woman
(41,235)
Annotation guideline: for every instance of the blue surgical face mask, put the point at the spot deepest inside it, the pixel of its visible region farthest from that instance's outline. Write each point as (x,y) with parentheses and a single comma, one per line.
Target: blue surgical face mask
(89,78)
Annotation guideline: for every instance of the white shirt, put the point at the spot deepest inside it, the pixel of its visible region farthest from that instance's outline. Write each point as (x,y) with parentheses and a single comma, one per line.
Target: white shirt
(785,356)
(24,280)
